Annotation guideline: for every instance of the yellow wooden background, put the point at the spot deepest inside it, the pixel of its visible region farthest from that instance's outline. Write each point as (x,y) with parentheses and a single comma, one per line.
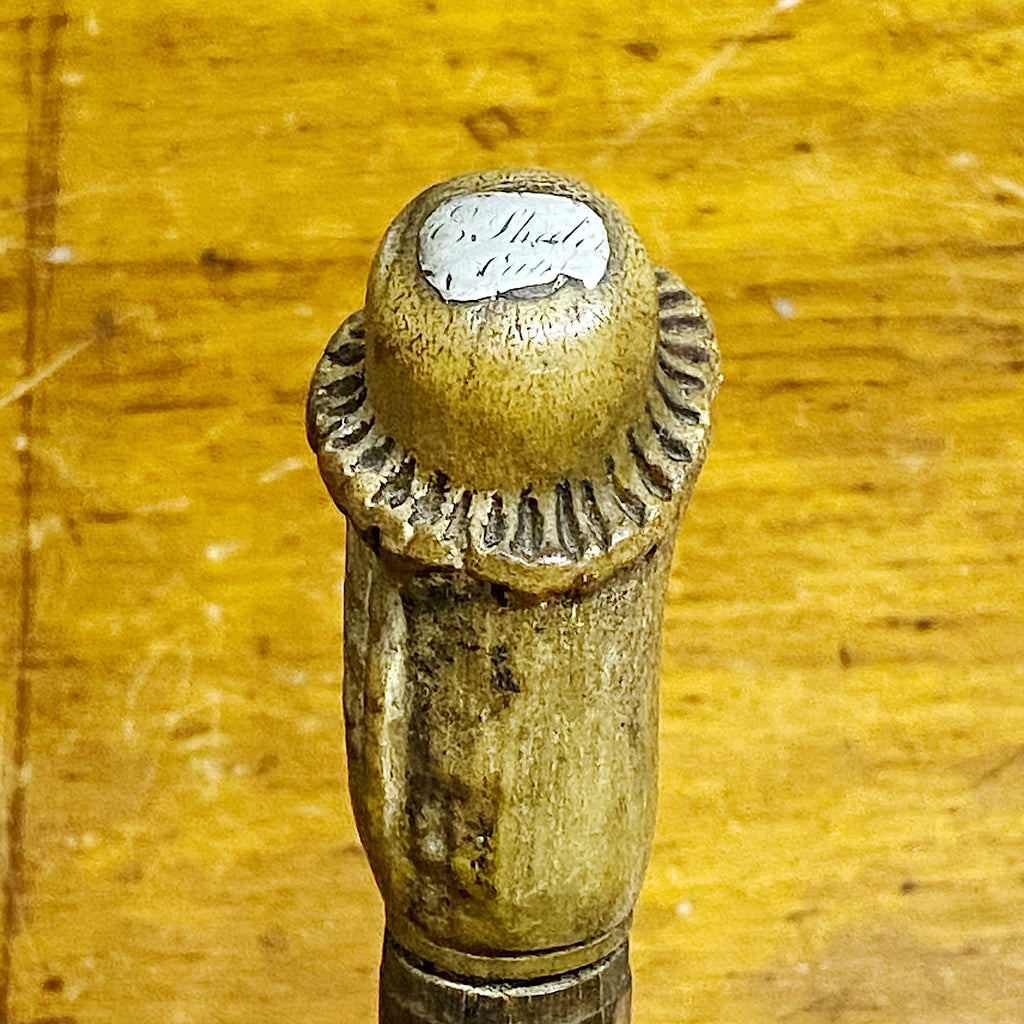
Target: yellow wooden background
(190,195)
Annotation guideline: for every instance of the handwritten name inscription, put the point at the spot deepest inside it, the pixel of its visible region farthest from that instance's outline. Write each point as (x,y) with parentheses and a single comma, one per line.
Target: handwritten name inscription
(486,244)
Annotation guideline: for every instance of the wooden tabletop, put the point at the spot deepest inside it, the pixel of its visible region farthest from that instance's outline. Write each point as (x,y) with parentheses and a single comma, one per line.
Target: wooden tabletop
(190,196)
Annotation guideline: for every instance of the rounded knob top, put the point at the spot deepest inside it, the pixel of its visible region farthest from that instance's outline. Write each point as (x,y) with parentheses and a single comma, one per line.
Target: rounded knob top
(509,319)
(524,396)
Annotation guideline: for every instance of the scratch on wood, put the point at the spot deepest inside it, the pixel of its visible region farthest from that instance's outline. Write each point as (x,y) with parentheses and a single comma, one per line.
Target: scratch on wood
(33,380)
(700,78)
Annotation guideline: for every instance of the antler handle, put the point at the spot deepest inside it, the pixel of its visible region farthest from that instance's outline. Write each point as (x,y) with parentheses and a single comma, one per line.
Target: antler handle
(513,426)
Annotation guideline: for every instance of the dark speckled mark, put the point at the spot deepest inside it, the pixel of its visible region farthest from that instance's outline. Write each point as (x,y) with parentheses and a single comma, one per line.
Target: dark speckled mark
(674,298)
(450,819)
(444,812)
(661,276)
(375,457)
(594,516)
(654,477)
(631,504)
(432,594)
(494,528)
(427,508)
(502,678)
(396,488)
(673,447)
(529,534)
(569,535)
(458,522)
(357,332)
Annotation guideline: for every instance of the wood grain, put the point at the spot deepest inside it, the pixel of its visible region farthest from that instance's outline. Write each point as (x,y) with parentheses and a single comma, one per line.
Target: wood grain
(191,198)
